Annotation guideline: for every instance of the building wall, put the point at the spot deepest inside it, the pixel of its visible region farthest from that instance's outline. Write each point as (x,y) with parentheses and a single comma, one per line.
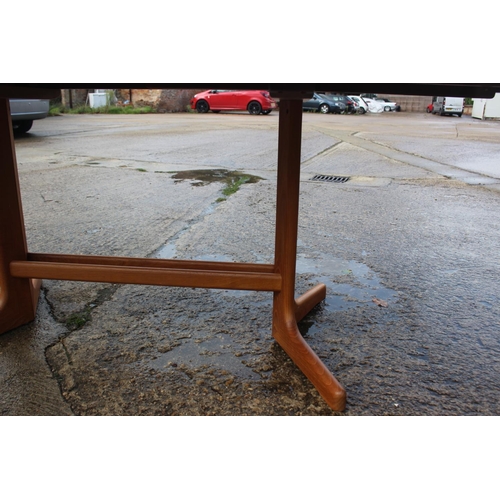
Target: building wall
(410,103)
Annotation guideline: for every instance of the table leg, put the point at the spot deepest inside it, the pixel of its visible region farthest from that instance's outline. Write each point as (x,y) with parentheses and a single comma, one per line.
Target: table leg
(18,297)
(286,310)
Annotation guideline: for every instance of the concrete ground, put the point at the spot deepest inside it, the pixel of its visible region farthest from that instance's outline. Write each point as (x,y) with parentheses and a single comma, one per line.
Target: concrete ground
(408,249)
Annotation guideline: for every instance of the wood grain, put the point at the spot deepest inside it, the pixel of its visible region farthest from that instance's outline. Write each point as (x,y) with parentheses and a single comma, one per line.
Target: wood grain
(285,308)
(147,276)
(18,297)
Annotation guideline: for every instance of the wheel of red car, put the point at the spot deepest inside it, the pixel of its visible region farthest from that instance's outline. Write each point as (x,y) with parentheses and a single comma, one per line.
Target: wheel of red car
(254,108)
(202,106)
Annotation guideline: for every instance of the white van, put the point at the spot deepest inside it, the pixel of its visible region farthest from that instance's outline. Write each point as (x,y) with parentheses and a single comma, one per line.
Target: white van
(448,105)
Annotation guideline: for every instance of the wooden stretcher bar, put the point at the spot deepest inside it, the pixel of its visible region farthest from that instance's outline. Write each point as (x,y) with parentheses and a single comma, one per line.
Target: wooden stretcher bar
(144,275)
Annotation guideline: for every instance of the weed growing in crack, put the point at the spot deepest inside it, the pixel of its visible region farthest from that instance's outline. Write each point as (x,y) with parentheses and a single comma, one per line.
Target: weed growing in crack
(233,184)
(78,320)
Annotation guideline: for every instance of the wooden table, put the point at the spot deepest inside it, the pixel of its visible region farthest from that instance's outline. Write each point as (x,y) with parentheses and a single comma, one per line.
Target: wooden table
(21,272)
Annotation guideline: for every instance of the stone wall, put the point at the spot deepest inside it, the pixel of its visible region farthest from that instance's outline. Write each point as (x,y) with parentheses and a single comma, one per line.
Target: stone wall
(163,101)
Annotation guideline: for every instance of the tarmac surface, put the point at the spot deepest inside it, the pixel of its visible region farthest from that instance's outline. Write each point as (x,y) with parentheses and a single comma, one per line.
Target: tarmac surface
(408,248)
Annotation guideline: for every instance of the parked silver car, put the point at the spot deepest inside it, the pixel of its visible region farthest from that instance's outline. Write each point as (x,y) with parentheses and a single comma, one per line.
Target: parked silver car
(24,111)
(388,105)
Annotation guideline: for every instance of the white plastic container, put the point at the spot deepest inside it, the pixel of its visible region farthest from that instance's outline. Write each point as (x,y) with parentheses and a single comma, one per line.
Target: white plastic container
(97,99)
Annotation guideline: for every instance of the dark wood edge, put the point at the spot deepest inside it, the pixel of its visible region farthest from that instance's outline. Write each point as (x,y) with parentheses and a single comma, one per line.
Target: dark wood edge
(478,90)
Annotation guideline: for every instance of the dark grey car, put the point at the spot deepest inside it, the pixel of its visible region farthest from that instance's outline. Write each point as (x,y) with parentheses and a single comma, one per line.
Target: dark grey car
(24,111)
(323,104)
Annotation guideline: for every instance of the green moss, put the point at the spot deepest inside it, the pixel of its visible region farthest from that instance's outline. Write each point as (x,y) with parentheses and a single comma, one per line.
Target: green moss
(233,185)
(77,320)
(232,179)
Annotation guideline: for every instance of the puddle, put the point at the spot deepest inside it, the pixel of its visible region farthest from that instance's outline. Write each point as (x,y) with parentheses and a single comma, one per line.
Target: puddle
(217,352)
(232,179)
(166,251)
(204,177)
(363,284)
(361,287)
(349,284)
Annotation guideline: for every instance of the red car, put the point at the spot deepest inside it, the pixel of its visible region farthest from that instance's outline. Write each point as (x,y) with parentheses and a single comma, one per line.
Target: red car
(430,107)
(253,101)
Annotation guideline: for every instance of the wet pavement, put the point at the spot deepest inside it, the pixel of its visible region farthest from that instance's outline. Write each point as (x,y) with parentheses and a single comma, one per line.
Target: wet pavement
(408,249)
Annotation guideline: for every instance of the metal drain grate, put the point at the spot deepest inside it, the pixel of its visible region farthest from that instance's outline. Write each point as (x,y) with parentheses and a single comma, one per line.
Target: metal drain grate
(330,178)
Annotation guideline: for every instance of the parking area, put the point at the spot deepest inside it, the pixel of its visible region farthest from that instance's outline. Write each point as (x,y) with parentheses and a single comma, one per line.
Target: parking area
(407,246)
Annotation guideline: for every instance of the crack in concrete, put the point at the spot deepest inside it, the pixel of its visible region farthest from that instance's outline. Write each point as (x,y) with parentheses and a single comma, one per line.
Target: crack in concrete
(66,352)
(186,227)
(103,296)
(322,153)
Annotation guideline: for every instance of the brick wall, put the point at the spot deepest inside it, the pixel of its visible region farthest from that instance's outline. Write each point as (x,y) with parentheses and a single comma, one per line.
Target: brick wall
(410,103)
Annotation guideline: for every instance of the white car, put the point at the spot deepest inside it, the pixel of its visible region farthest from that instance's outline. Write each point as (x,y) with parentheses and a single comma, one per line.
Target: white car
(360,103)
(388,105)
(373,105)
